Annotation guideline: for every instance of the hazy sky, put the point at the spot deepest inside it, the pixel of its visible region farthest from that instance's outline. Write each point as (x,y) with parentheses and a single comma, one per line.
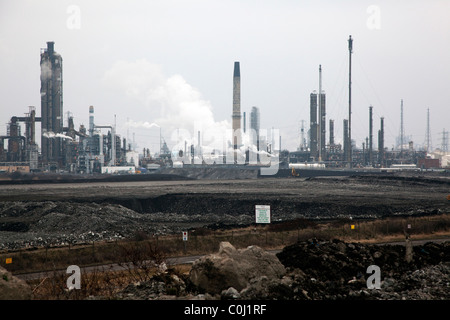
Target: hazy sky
(171,63)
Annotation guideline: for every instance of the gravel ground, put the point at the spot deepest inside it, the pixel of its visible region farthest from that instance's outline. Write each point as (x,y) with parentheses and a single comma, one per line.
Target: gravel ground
(325,270)
(43,214)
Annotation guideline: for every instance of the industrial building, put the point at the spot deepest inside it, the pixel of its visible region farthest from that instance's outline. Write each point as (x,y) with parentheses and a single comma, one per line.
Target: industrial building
(348,155)
(367,156)
(62,148)
(255,126)
(51,106)
(236,116)
(317,131)
(22,149)
(99,149)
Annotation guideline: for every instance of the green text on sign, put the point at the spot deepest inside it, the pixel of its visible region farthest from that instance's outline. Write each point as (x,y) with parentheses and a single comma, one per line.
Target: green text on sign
(262,214)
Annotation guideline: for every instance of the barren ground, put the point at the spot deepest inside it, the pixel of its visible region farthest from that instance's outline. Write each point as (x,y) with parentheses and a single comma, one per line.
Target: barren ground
(34,214)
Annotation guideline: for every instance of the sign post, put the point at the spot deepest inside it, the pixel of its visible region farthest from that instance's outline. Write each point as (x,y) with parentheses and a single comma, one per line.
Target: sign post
(185,237)
(262,214)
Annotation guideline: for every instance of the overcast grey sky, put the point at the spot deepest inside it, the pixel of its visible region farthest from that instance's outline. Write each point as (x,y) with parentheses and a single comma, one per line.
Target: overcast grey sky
(170,62)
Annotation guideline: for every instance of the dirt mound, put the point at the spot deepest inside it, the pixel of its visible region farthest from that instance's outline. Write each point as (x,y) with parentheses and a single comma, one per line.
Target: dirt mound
(36,215)
(315,270)
(13,288)
(338,270)
(35,224)
(334,259)
(212,173)
(44,223)
(236,268)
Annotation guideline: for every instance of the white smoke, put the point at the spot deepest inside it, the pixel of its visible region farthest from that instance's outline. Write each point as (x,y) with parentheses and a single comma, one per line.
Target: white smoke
(141,124)
(46,70)
(171,102)
(180,110)
(52,135)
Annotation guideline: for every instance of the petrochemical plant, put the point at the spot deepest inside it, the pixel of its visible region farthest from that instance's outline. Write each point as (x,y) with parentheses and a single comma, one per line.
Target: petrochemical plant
(99,149)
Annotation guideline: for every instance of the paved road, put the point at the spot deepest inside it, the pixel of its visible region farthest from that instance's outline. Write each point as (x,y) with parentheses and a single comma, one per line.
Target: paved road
(180,260)
(417,242)
(107,267)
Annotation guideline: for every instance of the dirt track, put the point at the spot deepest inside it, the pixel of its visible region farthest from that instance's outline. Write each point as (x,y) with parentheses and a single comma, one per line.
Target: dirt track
(117,209)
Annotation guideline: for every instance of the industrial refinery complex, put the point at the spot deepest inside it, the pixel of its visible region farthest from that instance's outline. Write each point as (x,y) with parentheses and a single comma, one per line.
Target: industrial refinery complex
(98,149)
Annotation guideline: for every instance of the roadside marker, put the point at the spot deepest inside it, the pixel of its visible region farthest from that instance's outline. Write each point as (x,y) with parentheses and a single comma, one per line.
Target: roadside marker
(352,226)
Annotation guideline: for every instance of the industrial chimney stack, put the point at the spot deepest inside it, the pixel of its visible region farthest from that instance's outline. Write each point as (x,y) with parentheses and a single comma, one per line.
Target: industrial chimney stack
(236,117)
(51,105)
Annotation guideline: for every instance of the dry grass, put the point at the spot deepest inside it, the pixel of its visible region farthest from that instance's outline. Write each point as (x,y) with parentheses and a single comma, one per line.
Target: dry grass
(141,256)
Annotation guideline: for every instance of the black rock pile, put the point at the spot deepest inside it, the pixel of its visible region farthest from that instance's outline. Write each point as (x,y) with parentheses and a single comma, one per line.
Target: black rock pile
(338,270)
(327,270)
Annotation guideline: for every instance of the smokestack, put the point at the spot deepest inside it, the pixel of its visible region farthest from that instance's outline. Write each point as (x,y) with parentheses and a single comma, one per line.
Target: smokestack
(349,135)
(32,126)
(321,119)
(236,117)
(370,136)
(319,135)
(254,128)
(346,140)
(199,146)
(322,125)
(91,121)
(51,105)
(381,142)
(50,48)
(401,128)
(331,132)
(313,125)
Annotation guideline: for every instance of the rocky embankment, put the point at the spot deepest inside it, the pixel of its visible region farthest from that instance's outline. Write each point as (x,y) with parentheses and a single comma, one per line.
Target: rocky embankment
(40,224)
(41,215)
(26,224)
(309,270)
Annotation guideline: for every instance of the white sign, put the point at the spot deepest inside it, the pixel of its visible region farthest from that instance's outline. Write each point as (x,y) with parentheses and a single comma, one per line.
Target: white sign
(262,214)
(185,235)
(74,281)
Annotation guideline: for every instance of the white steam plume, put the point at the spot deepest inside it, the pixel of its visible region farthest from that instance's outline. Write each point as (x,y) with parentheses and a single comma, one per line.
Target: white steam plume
(179,109)
(52,135)
(141,124)
(46,70)
(171,102)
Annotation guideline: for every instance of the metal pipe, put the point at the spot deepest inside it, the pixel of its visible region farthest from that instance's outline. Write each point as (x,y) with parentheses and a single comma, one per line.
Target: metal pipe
(319,131)
(370,136)
(349,143)
(113,143)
